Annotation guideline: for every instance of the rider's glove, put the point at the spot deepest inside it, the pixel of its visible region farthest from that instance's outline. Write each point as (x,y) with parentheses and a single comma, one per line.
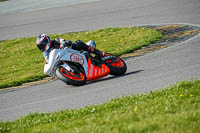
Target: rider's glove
(103,53)
(91,49)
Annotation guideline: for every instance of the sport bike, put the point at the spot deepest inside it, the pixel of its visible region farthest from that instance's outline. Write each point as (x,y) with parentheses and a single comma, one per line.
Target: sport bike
(77,67)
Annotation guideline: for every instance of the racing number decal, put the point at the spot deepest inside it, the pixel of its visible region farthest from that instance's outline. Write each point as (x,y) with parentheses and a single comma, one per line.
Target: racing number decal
(77,58)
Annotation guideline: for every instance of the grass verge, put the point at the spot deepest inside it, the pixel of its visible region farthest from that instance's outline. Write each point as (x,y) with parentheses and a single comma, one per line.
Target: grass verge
(3,0)
(174,109)
(22,62)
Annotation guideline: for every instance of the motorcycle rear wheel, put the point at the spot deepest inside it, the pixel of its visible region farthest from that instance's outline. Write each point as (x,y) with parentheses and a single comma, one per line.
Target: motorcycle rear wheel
(70,78)
(118,67)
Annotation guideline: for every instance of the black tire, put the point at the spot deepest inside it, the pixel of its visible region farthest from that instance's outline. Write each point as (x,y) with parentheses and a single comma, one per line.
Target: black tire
(118,70)
(69,78)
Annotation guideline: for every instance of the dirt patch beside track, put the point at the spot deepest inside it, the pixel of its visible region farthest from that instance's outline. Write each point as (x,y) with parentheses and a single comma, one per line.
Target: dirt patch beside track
(172,34)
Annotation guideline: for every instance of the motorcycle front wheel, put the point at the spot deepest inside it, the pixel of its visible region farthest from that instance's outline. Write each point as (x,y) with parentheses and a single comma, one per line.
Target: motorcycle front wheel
(76,78)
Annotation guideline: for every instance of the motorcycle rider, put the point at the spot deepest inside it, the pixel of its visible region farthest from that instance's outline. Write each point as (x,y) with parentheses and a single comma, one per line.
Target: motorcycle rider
(45,44)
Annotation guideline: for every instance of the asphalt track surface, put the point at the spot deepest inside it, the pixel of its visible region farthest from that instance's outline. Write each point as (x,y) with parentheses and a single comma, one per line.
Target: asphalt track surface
(16,6)
(145,73)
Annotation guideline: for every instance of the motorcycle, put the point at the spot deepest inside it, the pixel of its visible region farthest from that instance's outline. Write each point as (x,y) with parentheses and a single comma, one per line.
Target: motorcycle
(77,67)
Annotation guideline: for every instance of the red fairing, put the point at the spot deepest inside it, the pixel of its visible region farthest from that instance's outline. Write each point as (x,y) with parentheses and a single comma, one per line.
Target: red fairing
(95,72)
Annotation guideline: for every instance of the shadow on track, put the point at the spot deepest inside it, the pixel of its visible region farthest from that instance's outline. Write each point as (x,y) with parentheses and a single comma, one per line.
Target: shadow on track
(113,77)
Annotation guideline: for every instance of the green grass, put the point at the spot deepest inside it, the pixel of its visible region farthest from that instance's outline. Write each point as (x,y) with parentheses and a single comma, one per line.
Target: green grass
(3,0)
(174,109)
(22,62)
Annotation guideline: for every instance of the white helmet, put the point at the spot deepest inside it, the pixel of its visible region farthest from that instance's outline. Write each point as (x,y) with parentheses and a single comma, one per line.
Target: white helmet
(43,42)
